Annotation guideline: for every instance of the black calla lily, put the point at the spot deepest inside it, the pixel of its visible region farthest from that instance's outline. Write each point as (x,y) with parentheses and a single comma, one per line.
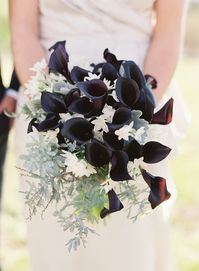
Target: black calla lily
(145,105)
(112,141)
(77,129)
(127,91)
(121,117)
(112,59)
(164,115)
(154,152)
(59,59)
(82,106)
(134,150)
(95,90)
(119,170)
(32,123)
(78,74)
(97,154)
(71,96)
(132,71)
(115,204)
(158,189)
(50,123)
(51,103)
(109,73)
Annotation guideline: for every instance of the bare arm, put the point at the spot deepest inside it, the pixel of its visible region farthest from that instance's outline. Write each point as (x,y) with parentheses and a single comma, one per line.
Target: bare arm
(26,46)
(165,48)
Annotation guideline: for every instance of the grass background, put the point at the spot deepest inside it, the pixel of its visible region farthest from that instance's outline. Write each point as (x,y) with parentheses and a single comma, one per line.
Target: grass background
(185,222)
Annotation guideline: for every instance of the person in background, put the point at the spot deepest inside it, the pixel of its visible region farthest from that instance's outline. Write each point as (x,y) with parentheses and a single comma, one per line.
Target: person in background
(8,97)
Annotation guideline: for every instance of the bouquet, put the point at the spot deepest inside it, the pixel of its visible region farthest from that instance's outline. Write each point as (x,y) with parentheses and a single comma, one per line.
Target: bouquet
(90,142)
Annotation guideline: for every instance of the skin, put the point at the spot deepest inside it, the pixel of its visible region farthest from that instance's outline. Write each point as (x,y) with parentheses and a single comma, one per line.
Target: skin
(165,47)
(8,104)
(161,59)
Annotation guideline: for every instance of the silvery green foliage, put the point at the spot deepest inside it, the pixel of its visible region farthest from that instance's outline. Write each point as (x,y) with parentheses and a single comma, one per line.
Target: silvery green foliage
(135,198)
(85,201)
(77,202)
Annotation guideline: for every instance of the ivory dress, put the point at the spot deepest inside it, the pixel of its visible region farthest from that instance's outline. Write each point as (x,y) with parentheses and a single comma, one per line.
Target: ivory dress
(90,26)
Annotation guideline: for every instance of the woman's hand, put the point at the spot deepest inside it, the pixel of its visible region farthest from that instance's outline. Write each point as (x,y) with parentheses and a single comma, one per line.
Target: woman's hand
(9,104)
(164,51)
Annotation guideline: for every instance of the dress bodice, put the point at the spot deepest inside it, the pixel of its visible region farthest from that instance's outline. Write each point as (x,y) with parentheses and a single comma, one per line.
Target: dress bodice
(104,22)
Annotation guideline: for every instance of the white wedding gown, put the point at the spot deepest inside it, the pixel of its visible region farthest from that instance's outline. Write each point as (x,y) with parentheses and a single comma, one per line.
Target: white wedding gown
(90,26)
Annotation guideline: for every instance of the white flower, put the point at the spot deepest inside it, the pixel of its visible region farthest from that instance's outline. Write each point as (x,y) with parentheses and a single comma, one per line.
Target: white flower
(125,132)
(92,76)
(108,84)
(77,167)
(67,116)
(113,94)
(108,113)
(100,124)
(107,116)
(39,66)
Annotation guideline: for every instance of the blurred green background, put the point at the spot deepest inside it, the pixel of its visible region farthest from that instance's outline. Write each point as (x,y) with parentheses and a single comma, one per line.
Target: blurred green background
(185,221)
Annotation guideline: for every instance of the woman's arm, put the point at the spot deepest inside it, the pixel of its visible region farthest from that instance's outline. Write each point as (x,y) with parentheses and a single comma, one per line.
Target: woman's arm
(166,43)
(27,49)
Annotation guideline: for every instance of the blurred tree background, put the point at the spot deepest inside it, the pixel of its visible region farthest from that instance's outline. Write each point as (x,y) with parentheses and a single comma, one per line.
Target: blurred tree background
(185,230)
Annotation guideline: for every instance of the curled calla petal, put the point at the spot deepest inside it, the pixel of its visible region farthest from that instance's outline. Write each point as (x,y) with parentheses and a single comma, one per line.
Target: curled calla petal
(50,123)
(151,81)
(52,103)
(59,59)
(77,129)
(93,89)
(132,71)
(164,115)
(134,150)
(119,170)
(97,153)
(109,73)
(97,68)
(112,59)
(71,96)
(158,189)
(115,204)
(82,106)
(32,123)
(96,90)
(127,91)
(112,141)
(146,105)
(122,116)
(78,74)
(154,152)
